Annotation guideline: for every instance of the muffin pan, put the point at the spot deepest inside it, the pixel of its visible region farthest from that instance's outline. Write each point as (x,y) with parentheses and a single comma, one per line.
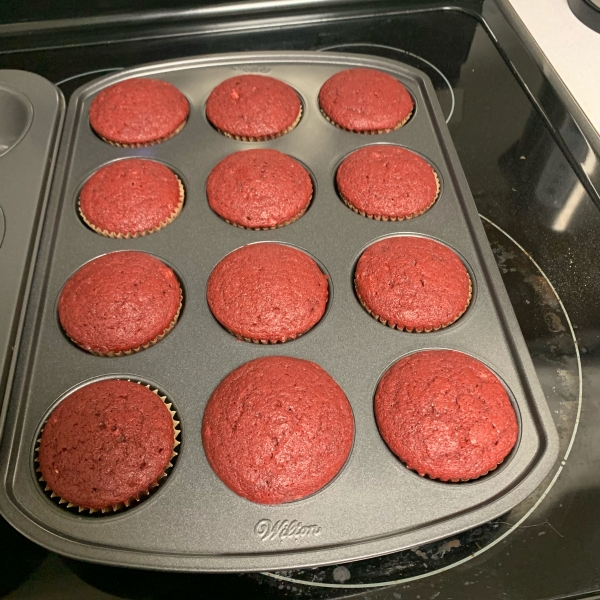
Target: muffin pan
(194,523)
(31,115)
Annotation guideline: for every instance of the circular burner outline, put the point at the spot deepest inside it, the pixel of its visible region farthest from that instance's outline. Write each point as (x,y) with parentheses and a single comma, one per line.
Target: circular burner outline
(514,526)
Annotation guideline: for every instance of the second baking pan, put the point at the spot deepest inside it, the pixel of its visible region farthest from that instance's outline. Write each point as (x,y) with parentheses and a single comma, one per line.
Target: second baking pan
(31,116)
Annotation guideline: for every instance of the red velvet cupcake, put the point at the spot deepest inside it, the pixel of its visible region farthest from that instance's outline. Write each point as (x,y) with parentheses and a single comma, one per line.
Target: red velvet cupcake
(365,101)
(387,183)
(107,445)
(138,112)
(267,293)
(253,108)
(445,415)
(412,283)
(131,198)
(259,189)
(277,429)
(120,303)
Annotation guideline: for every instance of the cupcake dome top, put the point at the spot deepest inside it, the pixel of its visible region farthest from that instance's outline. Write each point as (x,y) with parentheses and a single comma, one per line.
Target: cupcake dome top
(138,111)
(267,292)
(259,189)
(277,429)
(106,444)
(446,415)
(387,182)
(365,101)
(412,283)
(131,197)
(253,107)
(119,303)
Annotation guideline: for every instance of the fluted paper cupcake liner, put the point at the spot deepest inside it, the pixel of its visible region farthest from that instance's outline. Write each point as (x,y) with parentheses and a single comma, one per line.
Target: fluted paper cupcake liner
(141,347)
(133,499)
(265,342)
(144,144)
(370,131)
(284,224)
(415,329)
(387,218)
(449,480)
(262,138)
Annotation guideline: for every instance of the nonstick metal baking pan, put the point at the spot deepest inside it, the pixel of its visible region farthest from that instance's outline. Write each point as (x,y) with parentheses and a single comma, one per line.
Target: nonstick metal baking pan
(193,522)
(31,116)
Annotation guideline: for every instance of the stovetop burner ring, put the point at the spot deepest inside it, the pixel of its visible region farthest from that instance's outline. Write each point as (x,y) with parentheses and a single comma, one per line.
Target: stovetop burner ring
(86,73)
(523,518)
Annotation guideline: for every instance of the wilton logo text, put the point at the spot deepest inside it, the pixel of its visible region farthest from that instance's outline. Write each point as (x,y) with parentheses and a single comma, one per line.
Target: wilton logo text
(268,531)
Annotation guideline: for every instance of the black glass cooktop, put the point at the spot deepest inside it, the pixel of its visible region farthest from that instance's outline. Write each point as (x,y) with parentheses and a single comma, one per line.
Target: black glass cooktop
(534,178)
